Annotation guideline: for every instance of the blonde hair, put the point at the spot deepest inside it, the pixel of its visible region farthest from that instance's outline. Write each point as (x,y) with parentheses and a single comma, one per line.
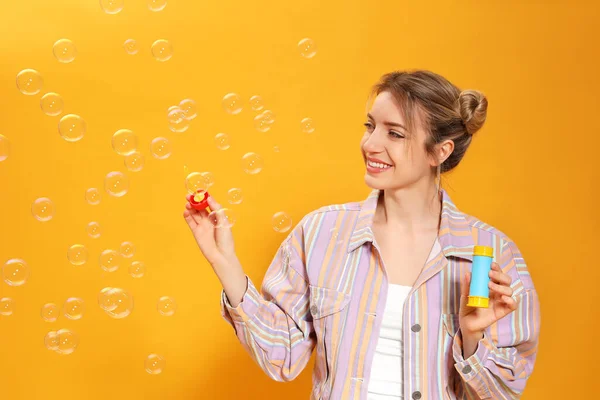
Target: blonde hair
(446,112)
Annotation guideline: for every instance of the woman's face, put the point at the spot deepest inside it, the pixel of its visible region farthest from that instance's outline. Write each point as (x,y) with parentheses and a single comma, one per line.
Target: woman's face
(394,158)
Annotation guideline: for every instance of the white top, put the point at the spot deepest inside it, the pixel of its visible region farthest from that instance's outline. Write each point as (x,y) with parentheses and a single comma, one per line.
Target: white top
(386,382)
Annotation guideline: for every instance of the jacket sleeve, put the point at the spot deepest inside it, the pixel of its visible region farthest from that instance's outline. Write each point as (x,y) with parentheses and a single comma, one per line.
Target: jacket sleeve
(504,358)
(275,326)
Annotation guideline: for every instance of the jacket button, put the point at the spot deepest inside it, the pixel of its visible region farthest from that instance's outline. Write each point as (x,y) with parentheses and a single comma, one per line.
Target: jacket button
(416,395)
(415,328)
(466,369)
(314,310)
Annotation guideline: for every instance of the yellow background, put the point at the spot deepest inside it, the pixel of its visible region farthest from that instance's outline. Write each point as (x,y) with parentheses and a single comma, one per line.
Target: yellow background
(530,171)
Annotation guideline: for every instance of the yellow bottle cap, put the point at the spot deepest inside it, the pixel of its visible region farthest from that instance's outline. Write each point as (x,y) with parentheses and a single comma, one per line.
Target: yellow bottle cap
(476,301)
(483,251)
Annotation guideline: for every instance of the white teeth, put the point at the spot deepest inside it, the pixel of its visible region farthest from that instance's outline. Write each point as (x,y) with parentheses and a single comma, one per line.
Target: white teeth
(378,165)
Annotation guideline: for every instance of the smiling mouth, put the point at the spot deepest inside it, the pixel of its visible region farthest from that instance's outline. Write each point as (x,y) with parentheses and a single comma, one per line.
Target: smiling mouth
(377,165)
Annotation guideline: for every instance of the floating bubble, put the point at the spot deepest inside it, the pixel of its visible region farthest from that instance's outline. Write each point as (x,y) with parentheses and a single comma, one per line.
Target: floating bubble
(93,230)
(124,142)
(166,306)
(15,272)
(92,196)
(112,6)
(137,269)
(154,364)
(51,341)
(64,50)
(77,254)
(162,50)
(42,209)
(189,108)
(157,5)
(127,249)
(117,303)
(73,308)
(172,108)
(232,103)
(29,82)
(116,184)
(7,306)
(252,163)
(222,218)
(72,127)
(209,179)
(134,161)
(67,341)
(131,46)
(281,222)
(49,312)
(160,148)
(307,125)
(52,104)
(307,48)
(195,182)
(222,141)
(276,149)
(264,120)
(109,260)
(256,103)
(4,148)
(177,120)
(235,196)
(269,116)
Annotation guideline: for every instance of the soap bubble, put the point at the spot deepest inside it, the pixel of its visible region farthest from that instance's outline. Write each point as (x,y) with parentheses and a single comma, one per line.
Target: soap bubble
(189,108)
(177,120)
(162,50)
(232,103)
(73,308)
(42,209)
(92,196)
(263,121)
(195,182)
(52,104)
(160,148)
(307,125)
(109,260)
(4,148)
(252,163)
(222,218)
(131,46)
(154,364)
(235,196)
(29,82)
(64,50)
(137,269)
(116,184)
(157,5)
(77,254)
(124,142)
(127,249)
(209,179)
(72,127)
(307,48)
(256,103)
(281,222)
(166,306)
(49,312)
(15,272)
(116,302)
(276,149)
(222,141)
(51,341)
(269,116)
(111,6)
(67,341)
(7,306)
(134,161)
(94,230)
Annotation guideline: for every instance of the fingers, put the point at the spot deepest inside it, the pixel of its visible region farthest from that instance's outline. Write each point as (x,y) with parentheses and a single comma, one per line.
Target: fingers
(510,302)
(500,290)
(498,276)
(465,281)
(189,219)
(212,203)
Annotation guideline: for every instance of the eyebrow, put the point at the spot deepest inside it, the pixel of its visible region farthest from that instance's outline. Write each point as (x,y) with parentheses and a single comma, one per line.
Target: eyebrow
(388,123)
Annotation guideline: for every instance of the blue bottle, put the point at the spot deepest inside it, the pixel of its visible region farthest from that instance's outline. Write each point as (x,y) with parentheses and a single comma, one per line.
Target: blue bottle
(479,291)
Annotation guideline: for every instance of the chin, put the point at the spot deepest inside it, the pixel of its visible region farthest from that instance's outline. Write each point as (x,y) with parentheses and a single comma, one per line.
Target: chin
(375,183)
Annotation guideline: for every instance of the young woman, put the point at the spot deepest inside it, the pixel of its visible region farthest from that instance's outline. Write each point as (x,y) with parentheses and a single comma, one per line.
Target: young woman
(379,287)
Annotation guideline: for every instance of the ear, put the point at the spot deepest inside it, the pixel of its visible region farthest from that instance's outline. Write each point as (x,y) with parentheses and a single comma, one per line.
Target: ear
(442,152)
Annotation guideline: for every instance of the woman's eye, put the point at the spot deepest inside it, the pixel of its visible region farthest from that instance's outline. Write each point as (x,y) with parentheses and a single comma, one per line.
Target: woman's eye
(369,126)
(396,135)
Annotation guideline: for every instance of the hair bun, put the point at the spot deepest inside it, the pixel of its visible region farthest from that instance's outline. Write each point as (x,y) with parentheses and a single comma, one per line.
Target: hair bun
(472,106)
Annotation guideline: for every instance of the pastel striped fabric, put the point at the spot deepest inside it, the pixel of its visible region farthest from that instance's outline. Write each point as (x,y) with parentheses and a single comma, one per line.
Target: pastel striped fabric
(326,290)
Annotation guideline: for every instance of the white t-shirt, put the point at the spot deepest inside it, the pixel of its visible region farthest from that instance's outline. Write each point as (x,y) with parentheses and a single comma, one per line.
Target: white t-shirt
(386,372)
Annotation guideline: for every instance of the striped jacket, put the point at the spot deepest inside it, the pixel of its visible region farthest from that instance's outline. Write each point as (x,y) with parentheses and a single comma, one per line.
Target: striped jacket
(326,288)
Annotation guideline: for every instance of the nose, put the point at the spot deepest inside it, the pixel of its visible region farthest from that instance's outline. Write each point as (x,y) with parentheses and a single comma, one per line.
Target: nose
(374,143)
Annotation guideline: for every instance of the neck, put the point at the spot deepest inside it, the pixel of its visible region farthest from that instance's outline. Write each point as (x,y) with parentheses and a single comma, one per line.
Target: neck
(413,208)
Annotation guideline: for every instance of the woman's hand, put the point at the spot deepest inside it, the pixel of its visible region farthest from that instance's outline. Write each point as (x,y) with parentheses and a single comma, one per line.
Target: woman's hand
(216,243)
(472,320)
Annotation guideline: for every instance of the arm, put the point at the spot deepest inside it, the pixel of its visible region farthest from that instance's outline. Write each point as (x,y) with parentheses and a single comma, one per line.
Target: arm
(499,362)
(275,326)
